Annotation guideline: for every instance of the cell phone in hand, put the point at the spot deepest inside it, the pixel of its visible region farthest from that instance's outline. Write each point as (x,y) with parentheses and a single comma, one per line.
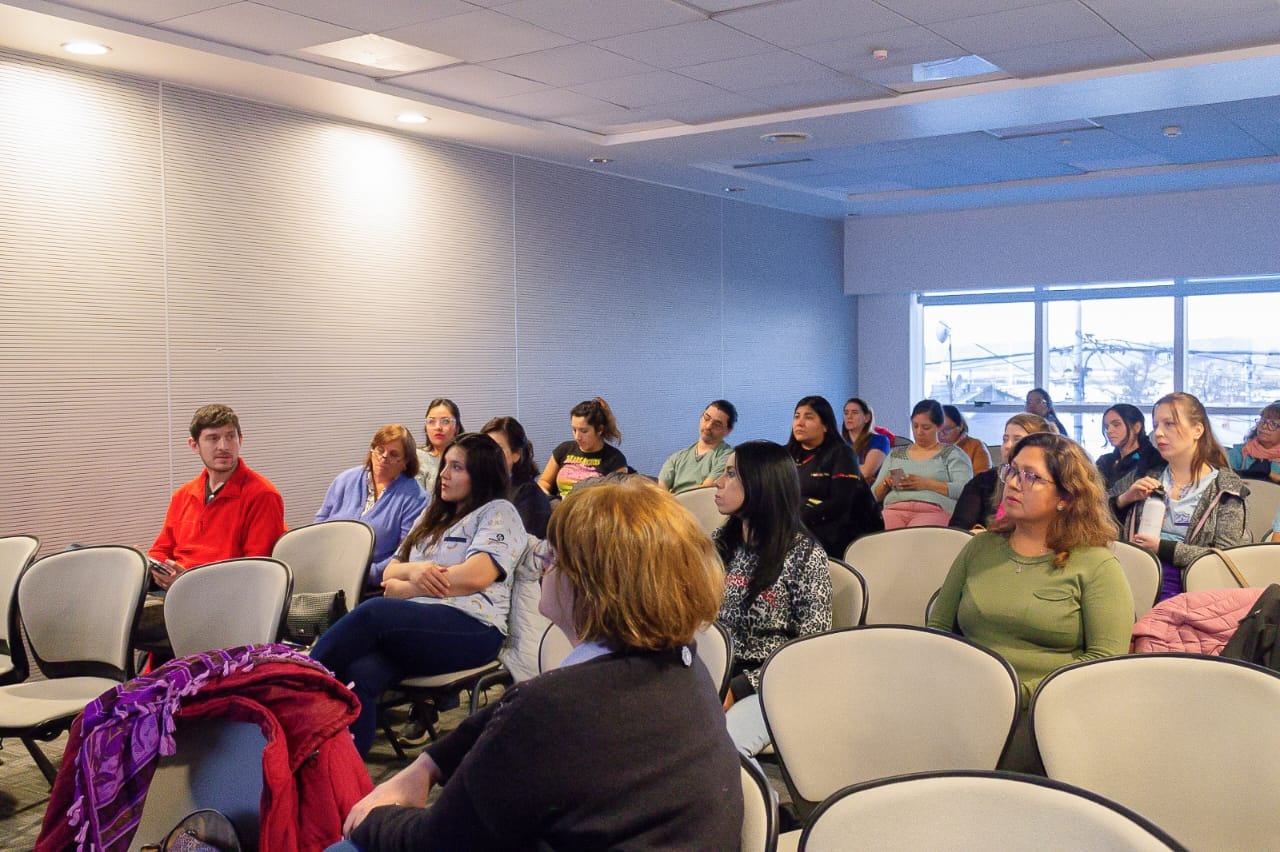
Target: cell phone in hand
(897,473)
(161,567)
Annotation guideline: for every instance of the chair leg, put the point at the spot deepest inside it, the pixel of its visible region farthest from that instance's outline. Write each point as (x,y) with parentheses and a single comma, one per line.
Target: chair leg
(385,725)
(49,770)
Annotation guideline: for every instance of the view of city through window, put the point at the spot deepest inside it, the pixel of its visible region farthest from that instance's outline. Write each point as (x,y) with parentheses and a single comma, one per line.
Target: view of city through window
(1101,345)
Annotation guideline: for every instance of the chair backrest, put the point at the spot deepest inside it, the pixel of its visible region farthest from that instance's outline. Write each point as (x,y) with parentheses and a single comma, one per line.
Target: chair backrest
(1142,570)
(16,552)
(997,454)
(848,594)
(78,608)
(1259,563)
(525,625)
(715,649)
(227,604)
(868,702)
(327,556)
(902,568)
(976,810)
(702,503)
(1187,740)
(759,808)
(1261,507)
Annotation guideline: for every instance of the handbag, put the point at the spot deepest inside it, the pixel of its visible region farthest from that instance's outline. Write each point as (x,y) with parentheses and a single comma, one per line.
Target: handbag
(204,830)
(1231,566)
(312,613)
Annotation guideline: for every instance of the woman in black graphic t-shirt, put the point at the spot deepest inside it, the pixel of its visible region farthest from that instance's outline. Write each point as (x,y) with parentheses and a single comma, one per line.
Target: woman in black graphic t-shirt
(587,455)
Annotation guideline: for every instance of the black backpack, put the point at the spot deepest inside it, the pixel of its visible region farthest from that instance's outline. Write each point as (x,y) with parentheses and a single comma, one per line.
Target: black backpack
(1257,639)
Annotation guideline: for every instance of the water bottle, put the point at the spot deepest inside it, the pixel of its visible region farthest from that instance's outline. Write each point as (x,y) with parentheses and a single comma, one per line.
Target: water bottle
(1152,515)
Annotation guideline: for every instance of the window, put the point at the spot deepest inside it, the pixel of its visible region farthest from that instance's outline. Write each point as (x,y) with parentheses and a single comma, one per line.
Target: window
(1110,350)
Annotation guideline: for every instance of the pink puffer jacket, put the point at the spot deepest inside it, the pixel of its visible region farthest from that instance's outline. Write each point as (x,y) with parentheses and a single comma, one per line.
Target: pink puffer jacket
(1194,622)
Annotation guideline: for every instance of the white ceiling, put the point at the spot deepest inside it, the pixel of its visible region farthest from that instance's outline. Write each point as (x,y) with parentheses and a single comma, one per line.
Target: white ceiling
(679,92)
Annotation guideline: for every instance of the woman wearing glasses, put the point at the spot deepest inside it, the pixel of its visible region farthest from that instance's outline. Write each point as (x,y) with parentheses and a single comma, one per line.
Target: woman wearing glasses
(382,492)
(1199,497)
(1259,456)
(979,503)
(442,424)
(955,431)
(1042,589)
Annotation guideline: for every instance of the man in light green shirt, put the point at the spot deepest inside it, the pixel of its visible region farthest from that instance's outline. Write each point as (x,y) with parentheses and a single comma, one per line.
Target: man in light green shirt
(701,463)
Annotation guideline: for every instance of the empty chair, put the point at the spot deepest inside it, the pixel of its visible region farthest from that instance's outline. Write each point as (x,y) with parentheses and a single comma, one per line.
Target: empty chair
(848,594)
(759,809)
(78,608)
(974,810)
(327,556)
(869,702)
(1188,741)
(227,604)
(1258,563)
(16,552)
(1142,570)
(1261,507)
(903,568)
(702,503)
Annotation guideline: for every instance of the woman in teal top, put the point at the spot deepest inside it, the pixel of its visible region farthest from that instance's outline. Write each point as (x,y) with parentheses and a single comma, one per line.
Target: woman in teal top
(919,484)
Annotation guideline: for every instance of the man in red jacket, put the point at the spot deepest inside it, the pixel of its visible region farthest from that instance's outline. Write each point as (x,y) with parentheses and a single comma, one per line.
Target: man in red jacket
(227,511)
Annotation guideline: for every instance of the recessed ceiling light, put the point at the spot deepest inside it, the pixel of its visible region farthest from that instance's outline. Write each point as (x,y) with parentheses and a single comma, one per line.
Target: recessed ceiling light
(85,48)
(1172,131)
(411,118)
(735,189)
(786,137)
(599,161)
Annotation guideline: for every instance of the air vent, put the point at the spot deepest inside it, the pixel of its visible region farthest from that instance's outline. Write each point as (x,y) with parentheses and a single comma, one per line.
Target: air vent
(773,163)
(788,137)
(1053,128)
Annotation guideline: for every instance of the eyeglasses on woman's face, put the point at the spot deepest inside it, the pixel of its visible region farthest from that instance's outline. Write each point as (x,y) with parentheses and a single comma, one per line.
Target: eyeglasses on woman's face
(389,453)
(1267,425)
(1027,479)
(442,422)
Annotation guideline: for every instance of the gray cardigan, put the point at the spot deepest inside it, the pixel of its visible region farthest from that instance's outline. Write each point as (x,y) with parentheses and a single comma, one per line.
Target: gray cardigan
(1218,521)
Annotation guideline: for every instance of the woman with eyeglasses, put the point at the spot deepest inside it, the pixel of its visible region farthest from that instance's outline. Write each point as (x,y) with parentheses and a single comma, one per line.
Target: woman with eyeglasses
(955,431)
(1125,428)
(442,424)
(1200,499)
(1258,457)
(589,454)
(624,745)
(1042,589)
(382,492)
(919,483)
(979,503)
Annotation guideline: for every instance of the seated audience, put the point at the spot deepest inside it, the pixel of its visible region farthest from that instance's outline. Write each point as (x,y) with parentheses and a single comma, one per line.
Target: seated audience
(701,463)
(955,430)
(1258,457)
(1039,404)
(869,445)
(777,585)
(1202,498)
(979,503)
(447,592)
(530,500)
(441,425)
(226,512)
(623,746)
(588,455)
(1042,589)
(1125,428)
(919,483)
(838,506)
(382,492)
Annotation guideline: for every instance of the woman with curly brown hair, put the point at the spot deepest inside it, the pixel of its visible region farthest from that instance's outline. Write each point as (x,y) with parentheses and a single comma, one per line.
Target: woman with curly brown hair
(1042,589)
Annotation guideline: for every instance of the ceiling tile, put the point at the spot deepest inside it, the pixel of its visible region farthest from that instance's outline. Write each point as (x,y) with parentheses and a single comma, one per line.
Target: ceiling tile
(565,66)
(470,83)
(1209,35)
(1053,22)
(1090,150)
(1045,59)
(724,5)
(797,22)
(906,46)
(1259,117)
(750,72)
(1126,15)
(1206,135)
(552,103)
(145,11)
(374,56)
(257,27)
(708,109)
(815,92)
(685,44)
(588,20)
(928,11)
(479,36)
(640,90)
(372,17)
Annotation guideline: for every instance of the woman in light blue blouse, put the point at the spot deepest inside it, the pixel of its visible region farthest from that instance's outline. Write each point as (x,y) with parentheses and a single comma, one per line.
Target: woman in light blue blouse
(919,484)
(382,492)
(447,592)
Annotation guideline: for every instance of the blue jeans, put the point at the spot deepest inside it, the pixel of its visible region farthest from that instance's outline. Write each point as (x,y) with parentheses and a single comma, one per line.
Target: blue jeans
(386,639)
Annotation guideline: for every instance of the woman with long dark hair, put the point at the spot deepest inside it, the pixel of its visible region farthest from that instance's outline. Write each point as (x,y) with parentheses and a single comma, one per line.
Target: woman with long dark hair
(447,592)
(1040,404)
(920,483)
(589,454)
(955,431)
(777,584)
(838,506)
(1125,429)
(442,423)
(860,433)
(530,500)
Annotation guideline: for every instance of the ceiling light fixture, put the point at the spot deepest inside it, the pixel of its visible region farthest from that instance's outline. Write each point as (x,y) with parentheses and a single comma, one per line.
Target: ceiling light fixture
(599,161)
(785,137)
(735,189)
(1173,131)
(85,48)
(412,118)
